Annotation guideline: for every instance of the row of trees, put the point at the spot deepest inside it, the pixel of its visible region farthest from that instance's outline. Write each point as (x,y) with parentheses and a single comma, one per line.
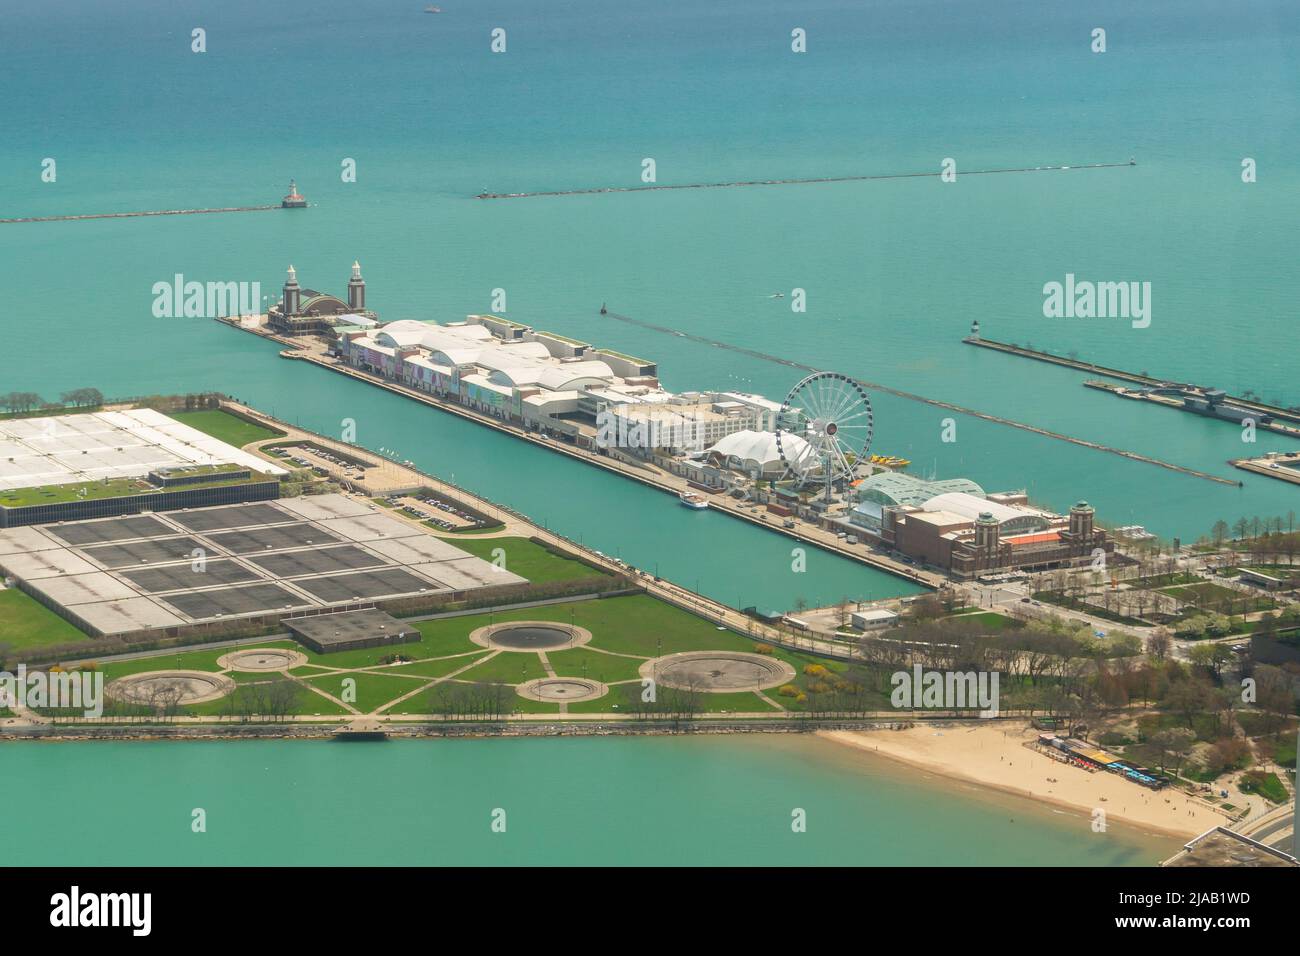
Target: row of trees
(28,401)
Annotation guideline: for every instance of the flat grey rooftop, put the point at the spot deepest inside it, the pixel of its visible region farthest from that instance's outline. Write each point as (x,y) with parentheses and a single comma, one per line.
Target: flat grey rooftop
(167,569)
(339,630)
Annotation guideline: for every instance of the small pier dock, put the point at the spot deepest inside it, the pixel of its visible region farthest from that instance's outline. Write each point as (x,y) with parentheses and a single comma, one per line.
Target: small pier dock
(1264,422)
(1273,465)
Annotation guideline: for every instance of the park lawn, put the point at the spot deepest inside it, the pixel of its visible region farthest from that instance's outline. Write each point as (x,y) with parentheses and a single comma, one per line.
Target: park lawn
(528,559)
(639,624)
(439,667)
(1267,785)
(991,620)
(605,668)
(1165,580)
(447,636)
(373,690)
(434,642)
(26,623)
(508,667)
(204,660)
(1209,595)
(225,427)
(634,624)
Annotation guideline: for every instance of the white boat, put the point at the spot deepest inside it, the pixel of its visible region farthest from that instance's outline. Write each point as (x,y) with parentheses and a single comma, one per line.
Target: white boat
(691,500)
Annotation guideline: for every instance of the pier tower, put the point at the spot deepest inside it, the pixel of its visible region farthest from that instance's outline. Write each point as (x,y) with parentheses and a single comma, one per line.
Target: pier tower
(1081,518)
(975,329)
(356,289)
(986,537)
(292,293)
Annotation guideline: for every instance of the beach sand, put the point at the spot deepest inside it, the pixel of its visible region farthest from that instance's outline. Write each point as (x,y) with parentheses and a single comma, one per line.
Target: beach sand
(992,754)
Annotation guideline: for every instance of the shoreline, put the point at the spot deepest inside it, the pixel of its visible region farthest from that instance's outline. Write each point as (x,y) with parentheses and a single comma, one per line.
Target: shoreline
(985,755)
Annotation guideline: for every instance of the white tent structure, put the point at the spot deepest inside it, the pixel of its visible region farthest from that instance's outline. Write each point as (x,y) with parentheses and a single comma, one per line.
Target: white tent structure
(757,453)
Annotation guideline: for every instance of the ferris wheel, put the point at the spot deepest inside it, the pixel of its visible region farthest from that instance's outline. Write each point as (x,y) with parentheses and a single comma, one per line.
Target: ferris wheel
(824,429)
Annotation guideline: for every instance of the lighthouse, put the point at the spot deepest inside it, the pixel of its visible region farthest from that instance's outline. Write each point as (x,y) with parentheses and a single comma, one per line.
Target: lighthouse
(975,330)
(291,293)
(293,200)
(356,289)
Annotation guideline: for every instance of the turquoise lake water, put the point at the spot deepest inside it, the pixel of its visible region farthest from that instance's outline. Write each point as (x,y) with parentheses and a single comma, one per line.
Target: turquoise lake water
(596,800)
(894,270)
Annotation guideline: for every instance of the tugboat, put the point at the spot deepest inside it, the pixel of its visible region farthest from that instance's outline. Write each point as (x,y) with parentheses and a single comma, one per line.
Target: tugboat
(691,500)
(293,200)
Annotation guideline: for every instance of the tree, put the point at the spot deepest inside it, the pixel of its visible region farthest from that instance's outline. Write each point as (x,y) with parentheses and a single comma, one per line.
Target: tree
(1189,699)
(1220,532)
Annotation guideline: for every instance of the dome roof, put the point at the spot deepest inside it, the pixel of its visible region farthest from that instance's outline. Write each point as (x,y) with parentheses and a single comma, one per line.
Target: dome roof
(760,448)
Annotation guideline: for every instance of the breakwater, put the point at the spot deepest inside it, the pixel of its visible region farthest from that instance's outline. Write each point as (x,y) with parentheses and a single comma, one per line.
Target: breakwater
(654,187)
(133,215)
(937,403)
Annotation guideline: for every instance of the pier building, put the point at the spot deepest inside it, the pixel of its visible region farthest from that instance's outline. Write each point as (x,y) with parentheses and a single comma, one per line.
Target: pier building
(308,312)
(957,526)
(596,398)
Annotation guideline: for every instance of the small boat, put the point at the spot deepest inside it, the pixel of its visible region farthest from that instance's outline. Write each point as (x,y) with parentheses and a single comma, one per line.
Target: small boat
(691,500)
(433,9)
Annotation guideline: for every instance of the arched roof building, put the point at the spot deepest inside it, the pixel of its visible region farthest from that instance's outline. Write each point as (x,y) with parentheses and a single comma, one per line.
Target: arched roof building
(757,452)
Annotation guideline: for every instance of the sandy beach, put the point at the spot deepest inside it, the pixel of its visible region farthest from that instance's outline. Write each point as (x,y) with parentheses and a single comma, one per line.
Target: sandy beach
(992,754)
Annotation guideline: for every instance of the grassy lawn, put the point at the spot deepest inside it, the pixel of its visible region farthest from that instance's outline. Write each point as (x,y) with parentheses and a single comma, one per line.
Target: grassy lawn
(989,620)
(605,668)
(1165,580)
(26,623)
(636,625)
(440,667)
(1267,785)
(508,667)
(527,559)
(205,660)
(226,427)
(1211,596)
(373,690)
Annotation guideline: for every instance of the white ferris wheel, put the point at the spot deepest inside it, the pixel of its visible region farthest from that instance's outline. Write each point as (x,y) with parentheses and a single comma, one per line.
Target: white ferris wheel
(824,429)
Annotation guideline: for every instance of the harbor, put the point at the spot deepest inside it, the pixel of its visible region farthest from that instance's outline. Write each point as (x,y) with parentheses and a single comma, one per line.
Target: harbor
(1144,379)
(949,406)
(1210,403)
(801,467)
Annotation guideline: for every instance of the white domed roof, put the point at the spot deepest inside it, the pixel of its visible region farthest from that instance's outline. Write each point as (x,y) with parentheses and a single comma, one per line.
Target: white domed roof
(761,449)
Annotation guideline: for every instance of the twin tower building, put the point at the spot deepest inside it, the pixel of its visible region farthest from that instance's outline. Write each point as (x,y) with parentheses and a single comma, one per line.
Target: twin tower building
(306,312)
